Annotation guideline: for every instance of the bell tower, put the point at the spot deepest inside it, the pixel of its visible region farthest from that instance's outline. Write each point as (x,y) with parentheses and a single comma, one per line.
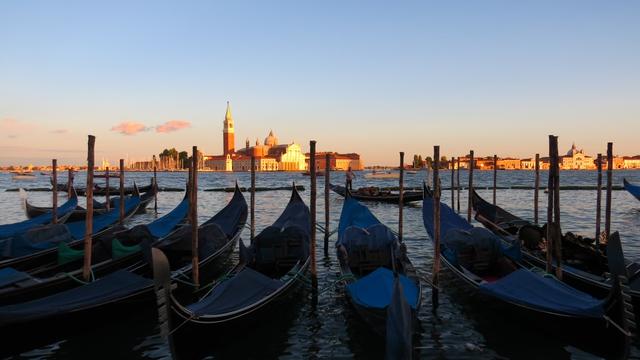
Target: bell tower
(228,133)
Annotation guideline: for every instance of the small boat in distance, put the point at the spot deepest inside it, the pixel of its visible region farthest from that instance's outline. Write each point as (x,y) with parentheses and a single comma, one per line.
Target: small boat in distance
(373,193)
(382,175)
(23,175)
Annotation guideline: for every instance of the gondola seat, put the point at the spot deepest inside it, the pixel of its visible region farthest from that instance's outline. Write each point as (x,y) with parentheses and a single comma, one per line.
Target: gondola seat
(277,250)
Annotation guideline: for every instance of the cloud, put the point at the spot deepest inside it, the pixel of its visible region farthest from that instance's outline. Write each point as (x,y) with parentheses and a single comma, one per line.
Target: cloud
(129,128)
(59,131)
(14,126)
(173,125)
(12,136)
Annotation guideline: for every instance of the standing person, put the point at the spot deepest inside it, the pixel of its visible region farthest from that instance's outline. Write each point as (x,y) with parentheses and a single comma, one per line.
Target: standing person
(350,176)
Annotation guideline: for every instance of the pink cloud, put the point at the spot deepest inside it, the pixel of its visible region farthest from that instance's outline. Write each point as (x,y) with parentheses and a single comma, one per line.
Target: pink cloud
(59,131)
(173,125)
(13,125)
(129,128)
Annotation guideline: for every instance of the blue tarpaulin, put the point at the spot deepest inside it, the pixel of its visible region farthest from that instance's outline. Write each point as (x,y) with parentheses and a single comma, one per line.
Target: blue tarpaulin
(448,218)
(375,289)
(109,288)
(244,289)
(101,222)
(356,215)
(539,292)
(164,225)
(399,325)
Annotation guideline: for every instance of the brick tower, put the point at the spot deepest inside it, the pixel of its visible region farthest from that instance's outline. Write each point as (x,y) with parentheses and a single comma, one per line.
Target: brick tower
(228,133)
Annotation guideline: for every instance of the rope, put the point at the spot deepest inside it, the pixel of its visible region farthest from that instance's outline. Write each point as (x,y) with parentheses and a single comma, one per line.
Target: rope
(179,326)
(82,282)
(610,321)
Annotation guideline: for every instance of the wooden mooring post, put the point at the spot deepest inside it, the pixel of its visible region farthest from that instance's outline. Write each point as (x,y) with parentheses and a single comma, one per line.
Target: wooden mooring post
(470,196)
(436,229)
(122,199)
(607,210)
(312,172)
(54,200)
(401,197)
(536,190)
(195,262)
(495,177)
(253,197)
(327,181)
(598,202)
(458,184)
(155,184)
(453,191)
(86,268)
(107,190)
(557,239)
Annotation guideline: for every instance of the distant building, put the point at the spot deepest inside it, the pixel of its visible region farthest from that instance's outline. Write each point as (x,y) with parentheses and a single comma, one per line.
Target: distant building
(269,156)
(576,160)
(631,162)
(509,164)
(339,162)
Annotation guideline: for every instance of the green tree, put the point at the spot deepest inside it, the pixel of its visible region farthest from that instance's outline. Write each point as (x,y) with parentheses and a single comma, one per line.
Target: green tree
(183,158)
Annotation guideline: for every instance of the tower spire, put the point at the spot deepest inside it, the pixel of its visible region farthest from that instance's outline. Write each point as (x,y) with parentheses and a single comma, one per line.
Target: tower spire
(227,115)
(228,132)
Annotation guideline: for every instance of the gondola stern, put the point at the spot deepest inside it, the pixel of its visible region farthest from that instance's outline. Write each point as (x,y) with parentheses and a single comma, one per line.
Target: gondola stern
(162,287)
(619,308)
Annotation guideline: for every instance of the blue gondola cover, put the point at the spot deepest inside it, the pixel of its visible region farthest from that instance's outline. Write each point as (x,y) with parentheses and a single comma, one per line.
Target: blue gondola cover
(399,325)
(375,289)
(244,289)
(109,288)
(534,290)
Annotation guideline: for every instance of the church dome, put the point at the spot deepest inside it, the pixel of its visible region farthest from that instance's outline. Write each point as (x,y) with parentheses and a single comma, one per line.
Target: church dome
(271,140)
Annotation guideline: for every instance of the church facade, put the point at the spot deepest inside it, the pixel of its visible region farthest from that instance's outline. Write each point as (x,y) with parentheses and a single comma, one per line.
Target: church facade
(269,155)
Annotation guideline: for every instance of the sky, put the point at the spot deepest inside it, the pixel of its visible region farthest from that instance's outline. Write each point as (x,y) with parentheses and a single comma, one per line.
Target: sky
(369,77)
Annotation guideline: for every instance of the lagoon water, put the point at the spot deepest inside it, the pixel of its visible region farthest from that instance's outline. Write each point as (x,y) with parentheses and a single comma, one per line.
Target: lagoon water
(461,328)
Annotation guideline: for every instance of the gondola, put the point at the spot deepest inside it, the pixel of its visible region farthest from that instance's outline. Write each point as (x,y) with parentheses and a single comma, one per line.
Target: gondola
(63,212)
(125,290)
(584,266)
(268,272)
(374,264)
(632,189)
(99,208)
(102,191)
(491,268)
(374,194)
(26,251)
(60,270)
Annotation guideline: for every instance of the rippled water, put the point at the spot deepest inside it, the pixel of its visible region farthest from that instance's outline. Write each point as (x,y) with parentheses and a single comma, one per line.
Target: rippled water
(461,328)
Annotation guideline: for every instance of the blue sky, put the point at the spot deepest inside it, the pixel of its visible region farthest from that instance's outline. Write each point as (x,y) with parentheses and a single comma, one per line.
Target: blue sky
(363,76)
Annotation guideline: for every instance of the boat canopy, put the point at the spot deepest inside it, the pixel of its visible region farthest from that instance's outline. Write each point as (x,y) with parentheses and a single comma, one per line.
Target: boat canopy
(530,289)
(375,289)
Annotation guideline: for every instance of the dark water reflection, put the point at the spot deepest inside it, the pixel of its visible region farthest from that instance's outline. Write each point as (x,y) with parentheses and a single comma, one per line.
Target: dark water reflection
(461,328)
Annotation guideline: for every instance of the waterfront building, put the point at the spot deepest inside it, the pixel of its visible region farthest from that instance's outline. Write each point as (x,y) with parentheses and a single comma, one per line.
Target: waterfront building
(509,164)
(576,160)
(339,162)
(631,162)
(269,155)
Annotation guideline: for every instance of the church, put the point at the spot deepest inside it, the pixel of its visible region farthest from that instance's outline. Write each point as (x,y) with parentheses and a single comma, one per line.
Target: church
(269,156)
